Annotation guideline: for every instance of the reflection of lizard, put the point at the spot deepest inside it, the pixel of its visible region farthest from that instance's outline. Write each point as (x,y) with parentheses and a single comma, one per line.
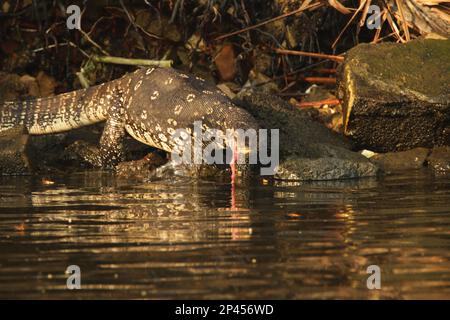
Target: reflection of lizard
(149,104)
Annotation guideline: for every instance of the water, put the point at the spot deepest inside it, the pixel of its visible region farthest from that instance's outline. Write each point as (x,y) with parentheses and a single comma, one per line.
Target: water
(181,239)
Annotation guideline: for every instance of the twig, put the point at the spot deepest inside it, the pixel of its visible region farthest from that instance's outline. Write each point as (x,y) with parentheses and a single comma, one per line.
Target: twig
(361,6)
(319,80)
(83,80)
(302,8)
(404,22)
(309,104)
(310,54)
(97,22)
(69,43)
(133,62)
(95,44)
(135,25)
(327,71)
(291,94)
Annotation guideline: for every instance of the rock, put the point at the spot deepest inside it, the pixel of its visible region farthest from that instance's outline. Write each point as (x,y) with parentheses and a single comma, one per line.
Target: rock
(298,133)
(399,105)
(333,164)
(439,160)
(403,160)
(13,152)
(308,150)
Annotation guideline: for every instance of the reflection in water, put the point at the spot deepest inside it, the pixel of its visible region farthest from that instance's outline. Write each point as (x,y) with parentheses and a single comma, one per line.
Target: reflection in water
(185,239)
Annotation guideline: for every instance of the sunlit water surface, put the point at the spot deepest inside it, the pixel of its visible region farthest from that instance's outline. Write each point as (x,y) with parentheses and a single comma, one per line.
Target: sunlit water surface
(182,239)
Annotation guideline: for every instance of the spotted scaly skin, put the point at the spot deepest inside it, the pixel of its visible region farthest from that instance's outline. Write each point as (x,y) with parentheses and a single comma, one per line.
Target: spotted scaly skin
(149,104)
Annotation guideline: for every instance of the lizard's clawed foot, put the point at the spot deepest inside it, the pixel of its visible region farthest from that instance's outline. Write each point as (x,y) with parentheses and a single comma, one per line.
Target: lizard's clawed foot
(88,155)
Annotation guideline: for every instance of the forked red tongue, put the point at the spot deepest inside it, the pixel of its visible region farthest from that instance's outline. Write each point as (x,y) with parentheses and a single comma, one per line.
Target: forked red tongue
(233,176)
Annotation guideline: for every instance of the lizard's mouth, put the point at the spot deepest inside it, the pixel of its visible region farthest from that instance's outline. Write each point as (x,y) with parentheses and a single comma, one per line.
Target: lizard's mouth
(233,162)
(240,169)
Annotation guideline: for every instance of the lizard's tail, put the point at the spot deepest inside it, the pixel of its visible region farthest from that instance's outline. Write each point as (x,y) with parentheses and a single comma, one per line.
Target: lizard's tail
(58,113)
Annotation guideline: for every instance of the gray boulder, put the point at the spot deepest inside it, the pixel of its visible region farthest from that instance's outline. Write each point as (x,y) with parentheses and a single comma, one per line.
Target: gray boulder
(308,149)
(334,164)
(402,160)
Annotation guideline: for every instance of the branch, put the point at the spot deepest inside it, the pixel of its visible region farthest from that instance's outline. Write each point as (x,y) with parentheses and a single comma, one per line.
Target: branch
(133,62)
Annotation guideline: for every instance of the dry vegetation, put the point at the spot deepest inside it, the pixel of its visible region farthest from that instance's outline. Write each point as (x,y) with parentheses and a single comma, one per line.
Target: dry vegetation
(281,46)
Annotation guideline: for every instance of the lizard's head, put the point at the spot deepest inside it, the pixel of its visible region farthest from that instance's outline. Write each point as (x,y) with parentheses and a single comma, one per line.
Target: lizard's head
(229,141)
(242,141)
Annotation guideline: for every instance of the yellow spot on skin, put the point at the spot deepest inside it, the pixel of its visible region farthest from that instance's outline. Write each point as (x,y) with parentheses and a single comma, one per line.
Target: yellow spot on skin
(172,122)
(150,70)
(137,85)
(129,101)
(178,109)
(165,147)
(149,139)
(162,137)
(154,95)
(190,97)
(168,81)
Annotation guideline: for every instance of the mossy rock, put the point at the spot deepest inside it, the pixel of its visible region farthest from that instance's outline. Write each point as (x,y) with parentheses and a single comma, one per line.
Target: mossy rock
(397,96)
(308,150)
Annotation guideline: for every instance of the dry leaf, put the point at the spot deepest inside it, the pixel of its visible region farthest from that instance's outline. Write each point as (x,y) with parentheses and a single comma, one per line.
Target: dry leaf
(339,6)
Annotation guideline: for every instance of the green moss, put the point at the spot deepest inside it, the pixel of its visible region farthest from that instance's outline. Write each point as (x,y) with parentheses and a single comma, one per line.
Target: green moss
(422,65)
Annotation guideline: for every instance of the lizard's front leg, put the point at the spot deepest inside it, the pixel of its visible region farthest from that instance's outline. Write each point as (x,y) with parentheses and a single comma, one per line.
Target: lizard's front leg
(111,150)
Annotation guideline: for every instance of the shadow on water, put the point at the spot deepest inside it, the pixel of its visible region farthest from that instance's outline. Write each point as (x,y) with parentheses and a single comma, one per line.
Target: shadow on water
(182,239)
